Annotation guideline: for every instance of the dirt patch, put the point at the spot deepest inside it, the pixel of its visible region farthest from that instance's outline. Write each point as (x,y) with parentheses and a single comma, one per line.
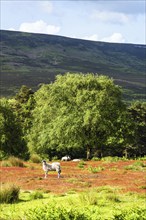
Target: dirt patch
(73,178)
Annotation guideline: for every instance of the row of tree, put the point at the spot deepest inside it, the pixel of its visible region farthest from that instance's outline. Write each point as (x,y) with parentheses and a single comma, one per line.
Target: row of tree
(80,115)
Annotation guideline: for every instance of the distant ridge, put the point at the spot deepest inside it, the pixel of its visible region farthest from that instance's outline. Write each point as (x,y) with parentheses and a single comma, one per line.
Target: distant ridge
(31,59)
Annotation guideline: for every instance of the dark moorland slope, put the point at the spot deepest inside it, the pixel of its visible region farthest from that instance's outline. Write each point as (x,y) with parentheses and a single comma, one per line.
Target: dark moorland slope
(31,59)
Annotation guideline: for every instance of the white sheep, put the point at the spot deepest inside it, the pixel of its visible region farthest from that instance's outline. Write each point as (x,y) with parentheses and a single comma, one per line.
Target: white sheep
(76,160)
(66,158)
(55,166)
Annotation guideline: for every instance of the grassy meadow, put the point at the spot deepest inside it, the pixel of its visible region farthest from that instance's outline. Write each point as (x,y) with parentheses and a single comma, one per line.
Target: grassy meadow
(111,188)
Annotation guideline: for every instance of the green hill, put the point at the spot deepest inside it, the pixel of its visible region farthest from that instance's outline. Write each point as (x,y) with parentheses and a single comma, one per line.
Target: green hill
(31,59)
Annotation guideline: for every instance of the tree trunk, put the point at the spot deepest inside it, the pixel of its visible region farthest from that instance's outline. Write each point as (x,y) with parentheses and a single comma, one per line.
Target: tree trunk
(88,152)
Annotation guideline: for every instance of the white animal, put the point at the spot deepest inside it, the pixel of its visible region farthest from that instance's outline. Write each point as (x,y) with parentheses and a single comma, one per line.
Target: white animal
(76,160)
(66,158)
(55,166)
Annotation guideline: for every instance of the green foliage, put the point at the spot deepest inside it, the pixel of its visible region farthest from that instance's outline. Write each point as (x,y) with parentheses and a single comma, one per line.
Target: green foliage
(12,161)
(89,198)
(141,158)
(139,165)
(96,159)
(138,113)
(11,138)
(74,114)
(23,104)
(113,159)
(95,169)
(55,212)
(16,161)
(102,203)
(134,213)
(81,164)
(36,195)
(6,163)
(9,193)
(35,158)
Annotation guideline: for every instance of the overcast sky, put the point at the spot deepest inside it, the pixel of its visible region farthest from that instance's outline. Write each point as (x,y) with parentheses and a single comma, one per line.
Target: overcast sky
(120,21)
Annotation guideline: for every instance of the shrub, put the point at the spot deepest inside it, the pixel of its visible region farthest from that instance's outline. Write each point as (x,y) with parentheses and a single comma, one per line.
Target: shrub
(141,158)
(3,155)
(133,213)
(6,163)
(54,158)
(109,159)
(113,197)
(95,169)
(12,161)
(36,195)
(95,159)
(89,198)
(55,212)
(139,164)
(16,161)
(35,158)
(81,164)
(9,193)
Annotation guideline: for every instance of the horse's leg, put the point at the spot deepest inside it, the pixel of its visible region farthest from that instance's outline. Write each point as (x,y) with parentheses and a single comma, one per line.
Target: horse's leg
(46,174)
(59,173)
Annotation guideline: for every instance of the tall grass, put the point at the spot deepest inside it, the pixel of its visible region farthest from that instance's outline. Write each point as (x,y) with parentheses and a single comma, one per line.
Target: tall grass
(35,158)
(102,203)
(36,195)
(12,161)
(9,193)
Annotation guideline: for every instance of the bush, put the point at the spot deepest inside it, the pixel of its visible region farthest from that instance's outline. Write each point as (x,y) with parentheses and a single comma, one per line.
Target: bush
(141,158)
(113,159)
(16,161)
(95,159)
(3,155)
(6,163)
(9,193)
(12,161)
(36,195)
(35,158)
(95,169)
(89,198)
(133,213)
(81,164)
(55,212)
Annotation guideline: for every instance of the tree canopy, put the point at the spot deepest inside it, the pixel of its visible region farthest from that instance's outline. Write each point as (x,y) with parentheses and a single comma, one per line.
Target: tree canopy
(11,138)
(77,113)
(81,115)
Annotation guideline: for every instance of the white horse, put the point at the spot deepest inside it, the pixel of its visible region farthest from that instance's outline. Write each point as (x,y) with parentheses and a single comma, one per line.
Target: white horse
(66,158)
(55,166)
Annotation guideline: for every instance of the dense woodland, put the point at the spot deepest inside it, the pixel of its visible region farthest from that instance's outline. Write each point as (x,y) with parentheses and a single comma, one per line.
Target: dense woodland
(80,115)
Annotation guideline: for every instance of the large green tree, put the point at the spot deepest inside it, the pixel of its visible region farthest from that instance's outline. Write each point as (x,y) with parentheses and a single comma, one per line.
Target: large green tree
(23,104)
(77,113)
(11,138)
(138,114)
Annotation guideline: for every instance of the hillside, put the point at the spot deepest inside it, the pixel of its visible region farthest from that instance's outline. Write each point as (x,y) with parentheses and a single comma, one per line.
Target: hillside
(30,59)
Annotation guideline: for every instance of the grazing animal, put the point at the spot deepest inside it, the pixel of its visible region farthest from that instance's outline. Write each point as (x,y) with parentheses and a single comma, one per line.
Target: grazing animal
(55,166)
(76,160)
(66,158)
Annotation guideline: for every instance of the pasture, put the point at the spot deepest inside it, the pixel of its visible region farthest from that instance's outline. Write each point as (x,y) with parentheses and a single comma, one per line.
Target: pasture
(85,188)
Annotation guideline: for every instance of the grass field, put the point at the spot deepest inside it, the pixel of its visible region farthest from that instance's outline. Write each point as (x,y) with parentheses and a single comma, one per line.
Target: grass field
(86,190)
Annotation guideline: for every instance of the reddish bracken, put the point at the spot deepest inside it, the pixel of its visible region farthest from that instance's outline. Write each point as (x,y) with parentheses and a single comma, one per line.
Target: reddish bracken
(74,178)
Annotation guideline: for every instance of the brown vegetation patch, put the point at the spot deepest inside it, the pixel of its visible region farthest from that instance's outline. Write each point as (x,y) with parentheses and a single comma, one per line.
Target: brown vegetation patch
(73,178)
